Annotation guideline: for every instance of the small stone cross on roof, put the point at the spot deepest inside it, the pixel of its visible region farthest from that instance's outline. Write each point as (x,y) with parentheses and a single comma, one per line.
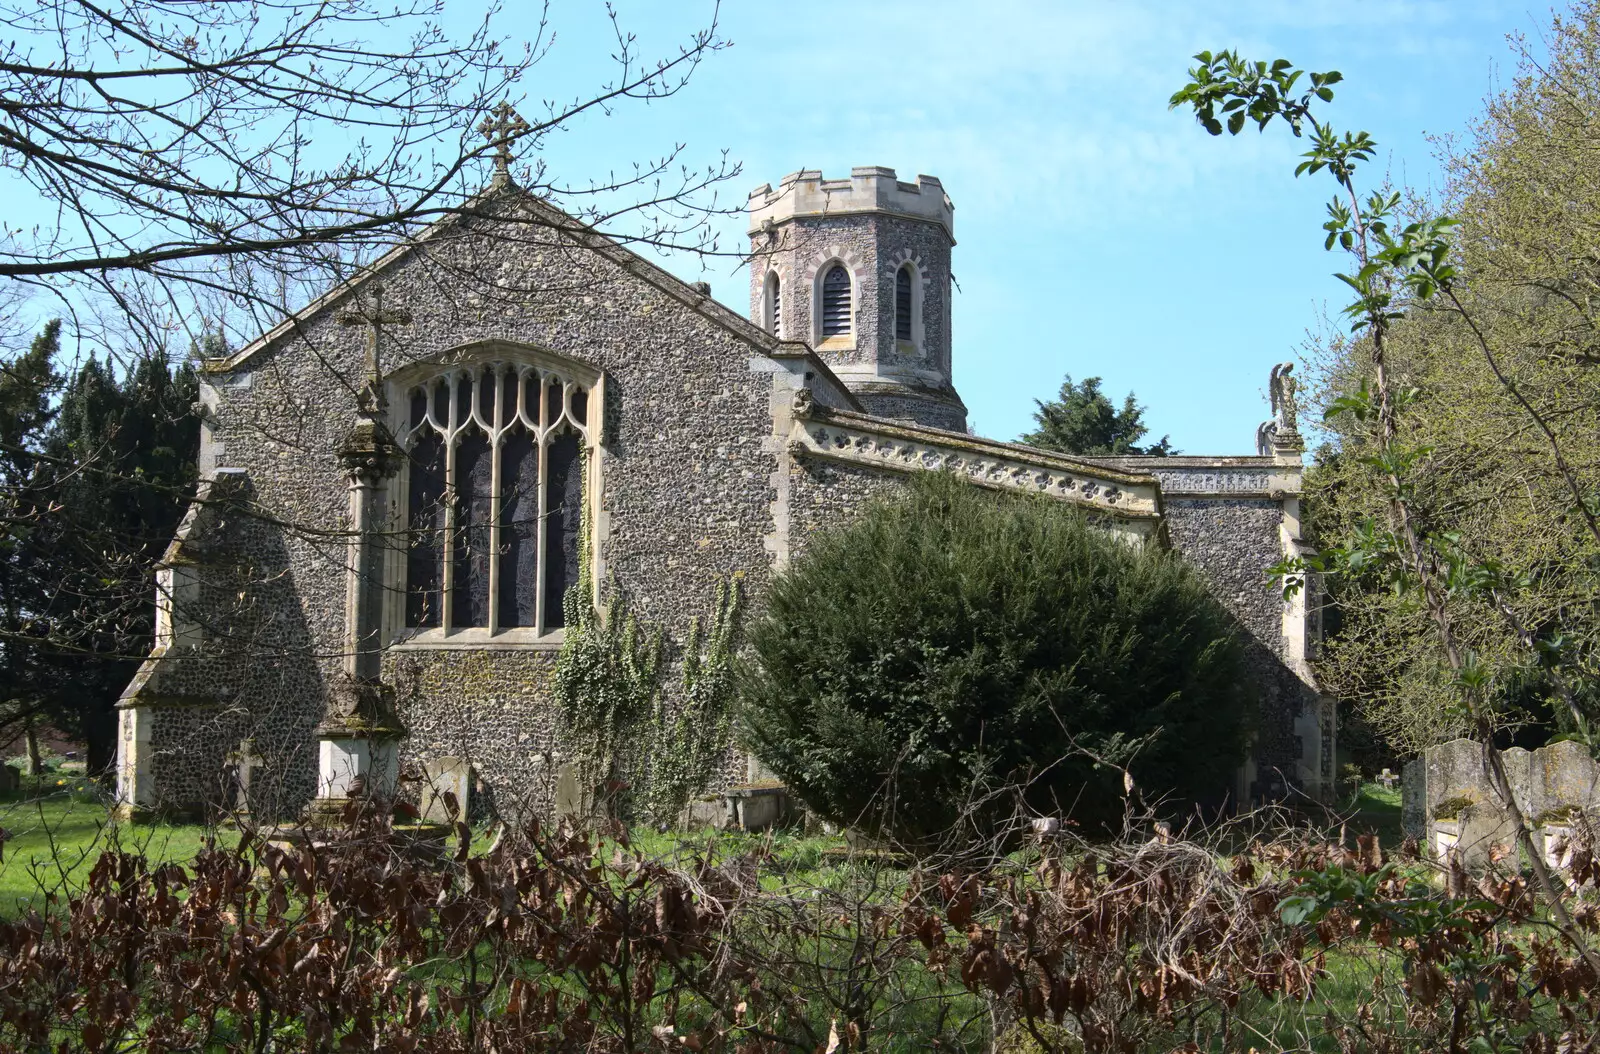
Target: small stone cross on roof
(501,128)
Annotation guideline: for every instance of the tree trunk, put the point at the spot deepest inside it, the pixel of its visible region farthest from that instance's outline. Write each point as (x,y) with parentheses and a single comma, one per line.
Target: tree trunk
(100,743)
(35,763)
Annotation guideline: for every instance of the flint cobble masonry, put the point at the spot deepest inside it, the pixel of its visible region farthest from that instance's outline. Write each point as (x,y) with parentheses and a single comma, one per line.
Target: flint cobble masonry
(703,466)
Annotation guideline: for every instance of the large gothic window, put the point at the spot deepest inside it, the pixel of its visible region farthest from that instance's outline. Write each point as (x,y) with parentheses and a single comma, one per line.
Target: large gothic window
(494,497)
(836,302)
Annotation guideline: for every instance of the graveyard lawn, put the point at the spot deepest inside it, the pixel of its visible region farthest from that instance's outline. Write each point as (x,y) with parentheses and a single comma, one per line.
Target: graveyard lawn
(51,842)
(54,834)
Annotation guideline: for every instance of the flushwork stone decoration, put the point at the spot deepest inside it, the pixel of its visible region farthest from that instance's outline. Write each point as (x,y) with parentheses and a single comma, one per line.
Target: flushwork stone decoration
(704,449)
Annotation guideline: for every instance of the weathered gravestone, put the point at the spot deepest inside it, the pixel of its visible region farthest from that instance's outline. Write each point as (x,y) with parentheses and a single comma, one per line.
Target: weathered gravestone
(10,778)
(1483,834)
(578,800)
(1450,803)
(441,776)
(241,773)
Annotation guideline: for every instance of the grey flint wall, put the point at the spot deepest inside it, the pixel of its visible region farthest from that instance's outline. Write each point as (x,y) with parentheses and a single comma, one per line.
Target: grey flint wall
(722,447)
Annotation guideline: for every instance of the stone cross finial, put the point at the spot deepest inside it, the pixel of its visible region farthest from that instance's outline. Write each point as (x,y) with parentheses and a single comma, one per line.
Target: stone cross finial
(372,313)
(501,128)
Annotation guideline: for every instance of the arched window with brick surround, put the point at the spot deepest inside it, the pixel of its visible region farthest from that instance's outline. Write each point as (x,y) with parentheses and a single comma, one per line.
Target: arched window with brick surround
(493,494)
(836,307)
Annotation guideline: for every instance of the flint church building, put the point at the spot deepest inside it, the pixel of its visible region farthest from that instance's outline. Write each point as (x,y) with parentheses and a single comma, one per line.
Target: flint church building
(401,483)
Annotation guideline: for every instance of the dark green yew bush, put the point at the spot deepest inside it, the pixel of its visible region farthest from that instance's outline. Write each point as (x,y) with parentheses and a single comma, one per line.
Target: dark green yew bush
(953,641)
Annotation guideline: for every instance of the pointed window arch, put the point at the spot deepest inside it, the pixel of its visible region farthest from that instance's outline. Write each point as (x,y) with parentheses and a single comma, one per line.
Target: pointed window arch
(493,496)
(836,313)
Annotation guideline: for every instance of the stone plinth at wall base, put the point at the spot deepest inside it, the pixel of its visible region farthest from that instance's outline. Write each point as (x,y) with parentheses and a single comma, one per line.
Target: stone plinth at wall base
(127,812)
(756,806)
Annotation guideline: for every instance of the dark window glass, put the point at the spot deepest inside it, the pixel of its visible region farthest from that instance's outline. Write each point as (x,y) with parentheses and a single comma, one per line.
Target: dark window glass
(563,517)
(531,387)
(425,534)
(552,398)
(519,530)
(836,302)
(474,503)
(441,401)
(486,386)
(419,407)
(508,398)
(902,304)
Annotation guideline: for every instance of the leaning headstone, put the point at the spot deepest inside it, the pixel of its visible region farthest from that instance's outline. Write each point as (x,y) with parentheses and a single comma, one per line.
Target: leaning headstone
(441,776)
(1518,765)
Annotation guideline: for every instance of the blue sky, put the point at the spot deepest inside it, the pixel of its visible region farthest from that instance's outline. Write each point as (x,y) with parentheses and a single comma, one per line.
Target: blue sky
(1098,233)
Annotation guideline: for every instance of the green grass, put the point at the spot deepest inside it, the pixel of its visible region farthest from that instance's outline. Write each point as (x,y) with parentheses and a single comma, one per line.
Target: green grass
(1375,810)
(53,839)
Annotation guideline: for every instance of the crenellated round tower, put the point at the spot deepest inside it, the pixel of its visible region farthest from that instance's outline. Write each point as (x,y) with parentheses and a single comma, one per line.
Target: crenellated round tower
(859,269)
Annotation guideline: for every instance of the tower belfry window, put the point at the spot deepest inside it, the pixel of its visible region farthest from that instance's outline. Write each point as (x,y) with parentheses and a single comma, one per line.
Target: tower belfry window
(902,303)
(836,302)
(774,305)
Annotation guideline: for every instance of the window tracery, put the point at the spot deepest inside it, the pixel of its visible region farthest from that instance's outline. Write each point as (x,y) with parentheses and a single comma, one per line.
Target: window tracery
(493,497)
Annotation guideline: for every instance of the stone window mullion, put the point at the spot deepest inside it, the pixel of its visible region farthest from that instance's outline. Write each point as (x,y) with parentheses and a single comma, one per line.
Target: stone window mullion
(542,444)
(447,574)
(497,495)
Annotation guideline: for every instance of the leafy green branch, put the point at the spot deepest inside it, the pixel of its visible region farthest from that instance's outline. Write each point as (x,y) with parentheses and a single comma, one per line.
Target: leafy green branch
(1395,266)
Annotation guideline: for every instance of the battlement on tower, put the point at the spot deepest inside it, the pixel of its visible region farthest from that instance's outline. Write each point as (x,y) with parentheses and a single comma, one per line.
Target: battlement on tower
(870,189)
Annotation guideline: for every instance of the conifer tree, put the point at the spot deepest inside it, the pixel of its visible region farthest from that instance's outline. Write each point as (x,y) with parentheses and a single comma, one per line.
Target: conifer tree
(123,453)
(1081,420)
(26,386)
